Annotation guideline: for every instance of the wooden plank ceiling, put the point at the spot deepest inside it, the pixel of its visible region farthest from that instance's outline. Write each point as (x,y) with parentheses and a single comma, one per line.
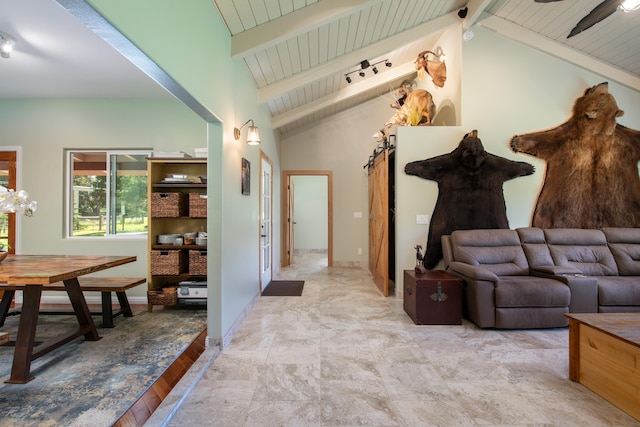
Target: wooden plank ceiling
(298,51)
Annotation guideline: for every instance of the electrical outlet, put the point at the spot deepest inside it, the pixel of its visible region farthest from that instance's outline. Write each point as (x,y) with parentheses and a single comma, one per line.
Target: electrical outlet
(359,251)
(422,219)
(357,214)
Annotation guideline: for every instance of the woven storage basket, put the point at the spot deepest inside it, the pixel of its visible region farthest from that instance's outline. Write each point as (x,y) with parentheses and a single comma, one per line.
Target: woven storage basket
(197,263)
(164,296)
(197,205)
(168,205)
(169,262)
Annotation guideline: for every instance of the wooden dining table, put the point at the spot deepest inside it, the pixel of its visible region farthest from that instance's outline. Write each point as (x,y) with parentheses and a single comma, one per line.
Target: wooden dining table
(34,273)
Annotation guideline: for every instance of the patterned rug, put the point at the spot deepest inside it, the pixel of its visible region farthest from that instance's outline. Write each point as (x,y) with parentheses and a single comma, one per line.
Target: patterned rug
(92,383)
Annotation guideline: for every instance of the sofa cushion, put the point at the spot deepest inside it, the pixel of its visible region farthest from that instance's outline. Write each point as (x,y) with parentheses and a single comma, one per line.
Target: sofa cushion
(534,246)
(584,249)
(619,290)
(625,247)
(499,250)
(530,291)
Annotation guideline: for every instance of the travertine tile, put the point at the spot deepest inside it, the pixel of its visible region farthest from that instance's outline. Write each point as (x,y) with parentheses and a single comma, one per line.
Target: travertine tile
(343,355)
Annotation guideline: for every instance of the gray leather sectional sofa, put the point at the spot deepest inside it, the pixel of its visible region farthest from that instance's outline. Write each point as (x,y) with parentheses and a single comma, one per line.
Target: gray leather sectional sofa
(530,277)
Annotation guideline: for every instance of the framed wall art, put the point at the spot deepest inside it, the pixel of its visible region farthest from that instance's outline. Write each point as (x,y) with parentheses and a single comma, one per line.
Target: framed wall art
(246,177)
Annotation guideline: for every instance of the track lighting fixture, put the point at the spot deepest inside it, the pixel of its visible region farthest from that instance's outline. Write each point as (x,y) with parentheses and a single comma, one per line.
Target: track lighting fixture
(6,45)
(363,66)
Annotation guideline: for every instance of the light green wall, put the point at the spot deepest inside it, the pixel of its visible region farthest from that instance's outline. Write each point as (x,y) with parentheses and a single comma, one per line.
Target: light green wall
(191,43)
(42,128)
(310,212)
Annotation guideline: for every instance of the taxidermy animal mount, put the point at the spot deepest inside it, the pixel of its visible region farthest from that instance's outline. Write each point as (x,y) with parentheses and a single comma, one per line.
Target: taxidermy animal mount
(415,107)
(469,191)
(435,67)
(592,167)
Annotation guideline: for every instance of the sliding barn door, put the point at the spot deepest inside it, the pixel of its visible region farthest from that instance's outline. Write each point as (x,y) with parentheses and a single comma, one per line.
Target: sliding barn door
(379,221)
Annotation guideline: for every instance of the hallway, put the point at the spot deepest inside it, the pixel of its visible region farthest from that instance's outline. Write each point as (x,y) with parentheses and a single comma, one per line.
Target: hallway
(343,355)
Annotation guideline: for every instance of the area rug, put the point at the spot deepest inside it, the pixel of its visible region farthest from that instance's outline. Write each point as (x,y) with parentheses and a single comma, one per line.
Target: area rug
(91,383)
(283,288)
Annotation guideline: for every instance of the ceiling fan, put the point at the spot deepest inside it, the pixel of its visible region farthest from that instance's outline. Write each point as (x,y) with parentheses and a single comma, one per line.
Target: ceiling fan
(600,12)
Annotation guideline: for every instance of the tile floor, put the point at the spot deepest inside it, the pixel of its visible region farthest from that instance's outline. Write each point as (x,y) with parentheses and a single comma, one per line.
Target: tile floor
(344,355)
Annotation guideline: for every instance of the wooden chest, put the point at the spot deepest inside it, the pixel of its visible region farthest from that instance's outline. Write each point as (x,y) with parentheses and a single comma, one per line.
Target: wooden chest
(433,298)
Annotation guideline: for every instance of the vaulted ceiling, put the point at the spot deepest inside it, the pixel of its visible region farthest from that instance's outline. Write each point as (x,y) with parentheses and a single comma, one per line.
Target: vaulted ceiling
(299,51)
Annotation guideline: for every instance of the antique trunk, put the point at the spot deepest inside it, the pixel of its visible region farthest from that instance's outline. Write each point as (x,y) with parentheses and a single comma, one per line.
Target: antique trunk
(433,297)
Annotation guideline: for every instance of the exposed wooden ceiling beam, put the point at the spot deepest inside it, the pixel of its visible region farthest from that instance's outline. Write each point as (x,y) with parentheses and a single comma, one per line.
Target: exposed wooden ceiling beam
(398,71)
(554,48)
(475,9)
(292,24)
(382,47)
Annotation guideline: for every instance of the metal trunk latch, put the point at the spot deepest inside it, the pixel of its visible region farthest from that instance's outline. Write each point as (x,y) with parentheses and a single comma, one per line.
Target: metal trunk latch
(439,296)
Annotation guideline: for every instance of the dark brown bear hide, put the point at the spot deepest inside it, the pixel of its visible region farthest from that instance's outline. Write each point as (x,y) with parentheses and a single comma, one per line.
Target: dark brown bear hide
(591,178)
(469,191)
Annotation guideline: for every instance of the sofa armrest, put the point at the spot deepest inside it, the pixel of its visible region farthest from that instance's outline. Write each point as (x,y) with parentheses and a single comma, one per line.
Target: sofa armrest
(556,270)
(472,272)
(584,289)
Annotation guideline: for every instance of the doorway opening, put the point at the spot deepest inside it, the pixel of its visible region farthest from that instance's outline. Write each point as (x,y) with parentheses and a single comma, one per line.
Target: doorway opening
(307,220)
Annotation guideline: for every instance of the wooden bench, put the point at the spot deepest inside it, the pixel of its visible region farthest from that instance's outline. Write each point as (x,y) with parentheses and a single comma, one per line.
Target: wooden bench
(104,285)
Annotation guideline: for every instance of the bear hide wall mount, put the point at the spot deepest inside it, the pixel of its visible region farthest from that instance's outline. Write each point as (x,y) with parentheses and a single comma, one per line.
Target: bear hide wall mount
(591,178)
(470,192)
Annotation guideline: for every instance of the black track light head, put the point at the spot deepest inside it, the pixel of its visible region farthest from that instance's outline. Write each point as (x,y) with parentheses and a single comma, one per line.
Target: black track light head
(375,70)
(462,13)
(361,73)
(388,64)
(348,79)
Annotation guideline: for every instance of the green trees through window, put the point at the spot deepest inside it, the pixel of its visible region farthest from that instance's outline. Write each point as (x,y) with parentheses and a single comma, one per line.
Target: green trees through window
(108,192)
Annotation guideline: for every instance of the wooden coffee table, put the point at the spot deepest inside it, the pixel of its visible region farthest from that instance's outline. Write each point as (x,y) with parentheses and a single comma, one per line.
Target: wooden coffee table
(604,356)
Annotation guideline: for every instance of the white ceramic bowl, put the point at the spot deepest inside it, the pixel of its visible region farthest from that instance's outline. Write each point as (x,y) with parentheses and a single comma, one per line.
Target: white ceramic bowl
(167,239)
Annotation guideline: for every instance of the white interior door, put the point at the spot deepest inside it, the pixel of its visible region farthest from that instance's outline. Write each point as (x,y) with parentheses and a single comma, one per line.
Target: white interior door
(265,223)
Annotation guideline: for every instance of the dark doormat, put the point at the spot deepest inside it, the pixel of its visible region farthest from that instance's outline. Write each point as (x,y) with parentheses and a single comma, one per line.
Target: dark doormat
(283,288)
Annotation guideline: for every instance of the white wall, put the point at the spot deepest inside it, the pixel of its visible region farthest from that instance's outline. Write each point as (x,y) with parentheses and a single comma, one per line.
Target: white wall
(344,143)
(507,88)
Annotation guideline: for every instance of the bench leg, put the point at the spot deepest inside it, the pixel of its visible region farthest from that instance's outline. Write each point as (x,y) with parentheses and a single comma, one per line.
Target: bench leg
(107,310)
(124,304)
(5,304)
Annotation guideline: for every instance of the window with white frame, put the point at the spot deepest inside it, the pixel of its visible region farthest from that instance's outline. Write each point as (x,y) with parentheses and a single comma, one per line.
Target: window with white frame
(106,192)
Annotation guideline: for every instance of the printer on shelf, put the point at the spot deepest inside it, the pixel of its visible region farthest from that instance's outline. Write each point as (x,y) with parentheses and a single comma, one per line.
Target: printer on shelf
(192,292)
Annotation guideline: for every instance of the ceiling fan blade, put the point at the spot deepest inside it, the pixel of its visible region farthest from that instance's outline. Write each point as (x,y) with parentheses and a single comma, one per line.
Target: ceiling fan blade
(600,12)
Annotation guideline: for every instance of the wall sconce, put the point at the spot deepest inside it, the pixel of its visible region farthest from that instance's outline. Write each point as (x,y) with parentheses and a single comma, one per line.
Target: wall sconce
(6,45)
(253,137)
(363,66)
